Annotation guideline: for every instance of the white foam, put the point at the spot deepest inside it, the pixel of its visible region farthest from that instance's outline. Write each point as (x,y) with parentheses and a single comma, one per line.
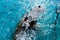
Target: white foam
(25,36)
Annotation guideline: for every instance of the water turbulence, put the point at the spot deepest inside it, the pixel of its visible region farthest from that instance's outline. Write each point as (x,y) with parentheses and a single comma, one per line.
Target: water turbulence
(27,27)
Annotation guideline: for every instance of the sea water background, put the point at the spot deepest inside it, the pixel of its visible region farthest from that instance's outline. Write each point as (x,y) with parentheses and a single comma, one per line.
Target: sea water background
(11,11)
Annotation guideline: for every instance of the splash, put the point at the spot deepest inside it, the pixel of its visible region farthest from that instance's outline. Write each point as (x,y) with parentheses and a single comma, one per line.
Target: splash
(23,35)
(28,24)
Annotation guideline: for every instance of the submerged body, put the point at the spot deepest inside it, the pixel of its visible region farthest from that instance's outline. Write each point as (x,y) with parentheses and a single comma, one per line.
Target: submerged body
(25,29)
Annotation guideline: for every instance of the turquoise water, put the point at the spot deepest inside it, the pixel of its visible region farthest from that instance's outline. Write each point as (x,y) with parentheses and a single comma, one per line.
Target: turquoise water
(11,11)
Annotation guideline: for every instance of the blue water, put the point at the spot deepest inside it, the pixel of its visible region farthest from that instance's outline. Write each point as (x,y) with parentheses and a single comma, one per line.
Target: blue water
(11,12)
